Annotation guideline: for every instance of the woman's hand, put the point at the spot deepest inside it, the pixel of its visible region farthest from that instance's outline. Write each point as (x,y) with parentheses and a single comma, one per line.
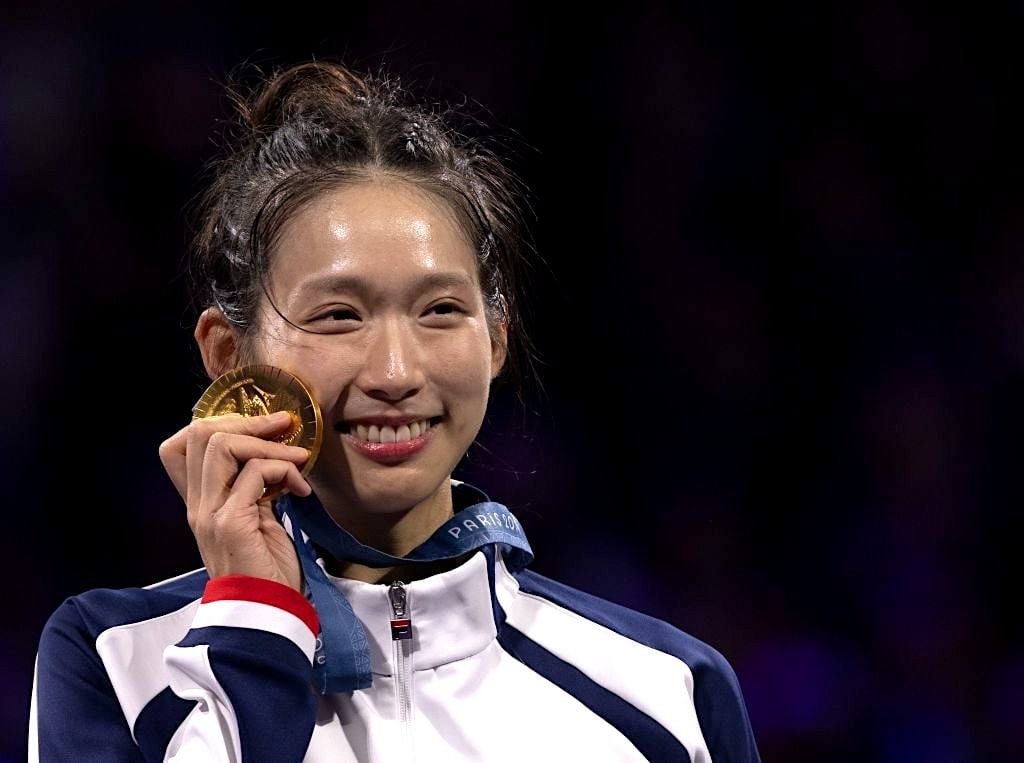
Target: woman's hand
(220,466)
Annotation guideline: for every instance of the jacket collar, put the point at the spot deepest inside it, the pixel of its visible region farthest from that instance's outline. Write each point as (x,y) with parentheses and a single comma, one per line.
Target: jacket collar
(451,615)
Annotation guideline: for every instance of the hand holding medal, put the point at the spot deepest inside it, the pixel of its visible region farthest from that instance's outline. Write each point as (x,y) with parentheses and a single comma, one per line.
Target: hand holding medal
(263,391)
(240,451)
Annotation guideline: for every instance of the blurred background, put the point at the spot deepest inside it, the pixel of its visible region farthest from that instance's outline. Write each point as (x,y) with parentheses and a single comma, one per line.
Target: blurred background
(782,327)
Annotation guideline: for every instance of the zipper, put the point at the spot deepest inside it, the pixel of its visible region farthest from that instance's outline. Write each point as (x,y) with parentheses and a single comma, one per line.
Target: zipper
(401,642)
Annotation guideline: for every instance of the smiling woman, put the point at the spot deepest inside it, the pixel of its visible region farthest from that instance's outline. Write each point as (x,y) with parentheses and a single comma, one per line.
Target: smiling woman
(378,609)
(374,300)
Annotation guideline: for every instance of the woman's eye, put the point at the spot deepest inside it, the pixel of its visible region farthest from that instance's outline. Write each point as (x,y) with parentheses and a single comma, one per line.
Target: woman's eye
(447,308)
(337,315)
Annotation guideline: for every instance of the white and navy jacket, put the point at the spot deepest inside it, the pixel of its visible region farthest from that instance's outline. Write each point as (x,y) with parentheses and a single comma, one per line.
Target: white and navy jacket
(500,667)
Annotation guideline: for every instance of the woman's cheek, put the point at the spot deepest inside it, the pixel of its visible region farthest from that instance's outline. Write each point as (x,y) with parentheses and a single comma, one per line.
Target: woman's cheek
(466,371)
(327,369)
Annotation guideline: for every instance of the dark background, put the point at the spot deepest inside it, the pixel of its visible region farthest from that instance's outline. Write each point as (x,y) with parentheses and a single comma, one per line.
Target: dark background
(782,329)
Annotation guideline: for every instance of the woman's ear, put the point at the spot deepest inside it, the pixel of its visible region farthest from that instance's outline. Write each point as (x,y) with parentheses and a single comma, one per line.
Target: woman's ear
(218,342)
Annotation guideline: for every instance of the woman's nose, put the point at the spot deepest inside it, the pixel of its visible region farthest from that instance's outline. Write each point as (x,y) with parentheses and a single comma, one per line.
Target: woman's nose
(392,369)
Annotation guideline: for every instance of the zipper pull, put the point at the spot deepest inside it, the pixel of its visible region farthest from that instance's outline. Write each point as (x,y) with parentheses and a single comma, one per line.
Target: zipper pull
(401,626)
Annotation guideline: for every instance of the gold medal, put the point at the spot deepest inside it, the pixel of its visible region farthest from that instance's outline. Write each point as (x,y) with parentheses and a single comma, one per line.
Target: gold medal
(262,390)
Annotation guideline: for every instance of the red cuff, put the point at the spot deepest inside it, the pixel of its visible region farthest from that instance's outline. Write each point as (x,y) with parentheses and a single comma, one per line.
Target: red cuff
(262,591)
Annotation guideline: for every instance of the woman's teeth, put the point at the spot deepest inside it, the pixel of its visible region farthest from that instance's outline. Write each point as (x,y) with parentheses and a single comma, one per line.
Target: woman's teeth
(374,433)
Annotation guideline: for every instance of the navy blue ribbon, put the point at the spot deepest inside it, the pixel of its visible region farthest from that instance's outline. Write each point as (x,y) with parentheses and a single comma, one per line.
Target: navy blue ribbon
(341,662)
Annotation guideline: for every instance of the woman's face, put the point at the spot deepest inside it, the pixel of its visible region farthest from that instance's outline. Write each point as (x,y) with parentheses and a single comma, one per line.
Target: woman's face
(390,283)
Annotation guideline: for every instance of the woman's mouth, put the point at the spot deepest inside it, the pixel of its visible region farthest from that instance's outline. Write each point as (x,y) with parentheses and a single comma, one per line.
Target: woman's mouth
(387,444)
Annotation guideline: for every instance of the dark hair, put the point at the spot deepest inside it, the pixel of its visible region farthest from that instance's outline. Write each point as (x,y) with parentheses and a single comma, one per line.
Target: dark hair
(316,126)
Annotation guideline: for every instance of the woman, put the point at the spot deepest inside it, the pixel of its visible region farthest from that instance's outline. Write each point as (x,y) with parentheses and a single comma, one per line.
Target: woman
(378,610)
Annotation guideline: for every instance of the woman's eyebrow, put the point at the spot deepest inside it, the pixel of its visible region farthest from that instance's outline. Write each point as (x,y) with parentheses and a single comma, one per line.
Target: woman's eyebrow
(364,286)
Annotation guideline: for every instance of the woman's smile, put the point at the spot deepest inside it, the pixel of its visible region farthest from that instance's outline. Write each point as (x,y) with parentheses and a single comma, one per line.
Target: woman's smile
(386,446)
(389,444)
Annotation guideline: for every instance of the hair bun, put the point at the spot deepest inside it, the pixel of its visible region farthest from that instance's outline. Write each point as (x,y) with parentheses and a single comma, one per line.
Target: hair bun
(314,86)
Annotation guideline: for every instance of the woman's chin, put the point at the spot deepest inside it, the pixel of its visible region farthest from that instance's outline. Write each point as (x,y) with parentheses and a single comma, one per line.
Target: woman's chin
(396,496)
(396,491)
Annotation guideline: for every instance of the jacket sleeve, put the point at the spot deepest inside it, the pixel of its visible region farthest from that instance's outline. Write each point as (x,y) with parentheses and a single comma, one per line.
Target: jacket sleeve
(247,664)
(74,713)
(239,685)
(722,712)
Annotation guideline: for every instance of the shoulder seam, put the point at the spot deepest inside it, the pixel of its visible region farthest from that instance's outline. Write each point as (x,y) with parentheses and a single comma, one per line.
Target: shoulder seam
(174,579)
(148,620)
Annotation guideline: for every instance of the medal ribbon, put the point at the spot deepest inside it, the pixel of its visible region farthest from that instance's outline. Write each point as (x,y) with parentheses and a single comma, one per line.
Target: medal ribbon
(342,658)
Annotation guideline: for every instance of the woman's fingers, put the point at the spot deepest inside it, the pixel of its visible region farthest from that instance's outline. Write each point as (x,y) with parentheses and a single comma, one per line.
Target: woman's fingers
(198,440)
(224,459)
(237,533)
(182,453)
(258,474)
